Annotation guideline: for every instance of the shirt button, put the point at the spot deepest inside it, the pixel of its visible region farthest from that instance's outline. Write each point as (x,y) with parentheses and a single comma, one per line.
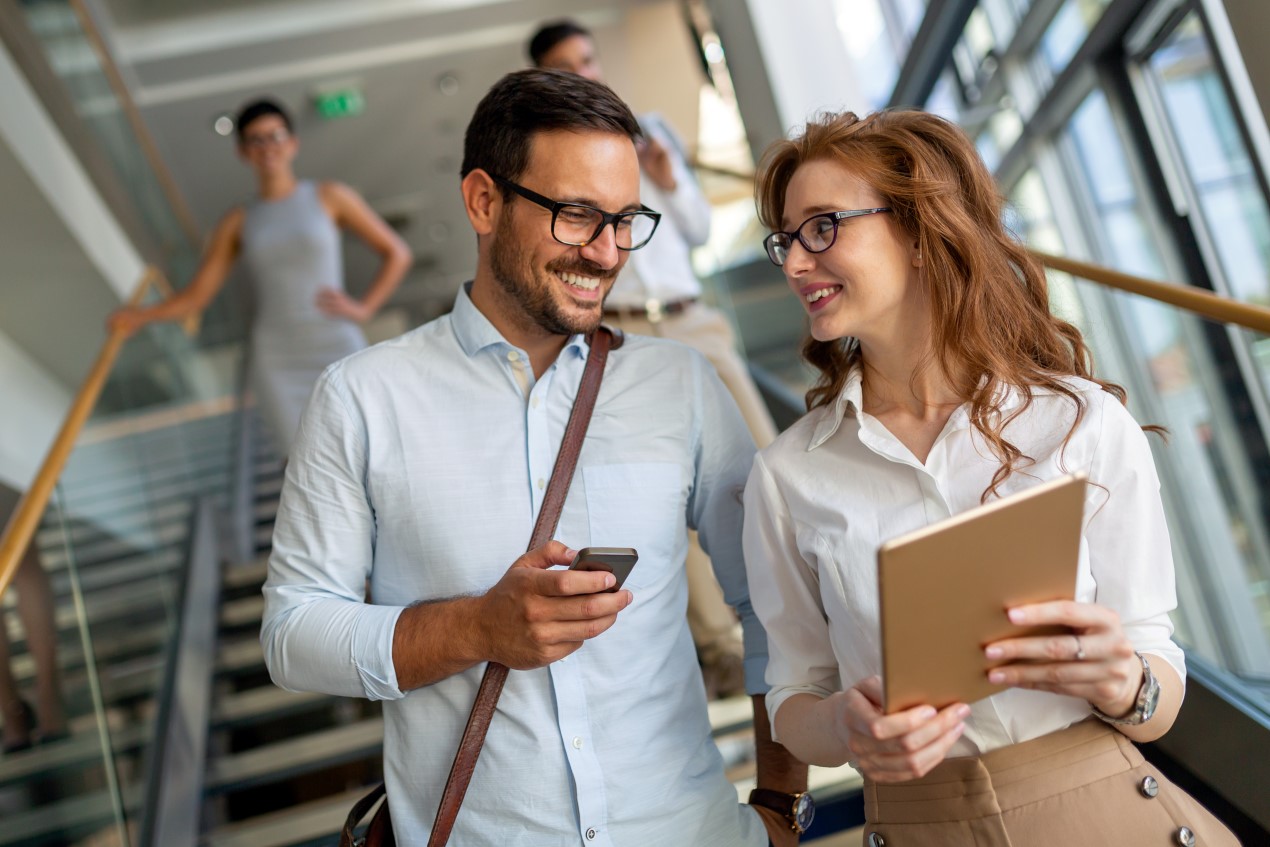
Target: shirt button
(577,742)
(534,402)
(590,835)
(542,483)
(513,356)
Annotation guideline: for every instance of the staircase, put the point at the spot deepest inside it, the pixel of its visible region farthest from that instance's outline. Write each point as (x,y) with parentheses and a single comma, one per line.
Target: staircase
(113,544)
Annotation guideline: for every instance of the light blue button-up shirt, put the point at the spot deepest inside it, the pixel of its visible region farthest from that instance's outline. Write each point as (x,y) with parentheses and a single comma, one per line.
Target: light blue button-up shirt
(421,464)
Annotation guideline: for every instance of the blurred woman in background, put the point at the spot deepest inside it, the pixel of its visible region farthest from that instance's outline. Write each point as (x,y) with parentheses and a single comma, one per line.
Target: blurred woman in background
(289,238)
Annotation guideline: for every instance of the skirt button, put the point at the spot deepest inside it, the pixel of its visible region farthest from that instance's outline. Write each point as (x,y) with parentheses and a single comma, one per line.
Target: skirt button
(1149,787)
(876,840)
(1185,837)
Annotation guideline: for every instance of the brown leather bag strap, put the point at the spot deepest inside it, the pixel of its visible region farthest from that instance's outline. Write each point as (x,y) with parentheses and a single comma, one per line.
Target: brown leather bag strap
(355,815)
(602,341)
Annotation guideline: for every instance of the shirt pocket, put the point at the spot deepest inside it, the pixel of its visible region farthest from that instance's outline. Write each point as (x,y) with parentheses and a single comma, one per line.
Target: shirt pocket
(638,505)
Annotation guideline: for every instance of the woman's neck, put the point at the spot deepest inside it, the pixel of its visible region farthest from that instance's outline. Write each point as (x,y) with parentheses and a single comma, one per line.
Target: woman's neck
(275,186)
(907,381)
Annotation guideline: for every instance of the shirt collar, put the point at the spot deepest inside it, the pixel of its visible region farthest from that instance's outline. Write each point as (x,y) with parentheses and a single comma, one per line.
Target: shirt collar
(849,401)
(475,332)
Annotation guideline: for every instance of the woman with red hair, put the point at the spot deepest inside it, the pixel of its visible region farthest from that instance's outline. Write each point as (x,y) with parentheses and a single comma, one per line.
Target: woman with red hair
(944,382)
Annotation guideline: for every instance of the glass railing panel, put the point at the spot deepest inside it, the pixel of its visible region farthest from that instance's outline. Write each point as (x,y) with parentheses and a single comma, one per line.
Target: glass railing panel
(115,546)
(71,56)
(58,780)
(172,230)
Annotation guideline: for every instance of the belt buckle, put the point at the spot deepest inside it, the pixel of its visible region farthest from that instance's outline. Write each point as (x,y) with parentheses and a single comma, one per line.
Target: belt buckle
(653,308)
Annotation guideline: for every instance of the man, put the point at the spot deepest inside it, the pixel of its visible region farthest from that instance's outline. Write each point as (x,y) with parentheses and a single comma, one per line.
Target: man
(658,293)
(421,464)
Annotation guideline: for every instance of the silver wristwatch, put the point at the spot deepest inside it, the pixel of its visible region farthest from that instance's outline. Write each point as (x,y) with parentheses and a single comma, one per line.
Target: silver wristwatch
(1144,707)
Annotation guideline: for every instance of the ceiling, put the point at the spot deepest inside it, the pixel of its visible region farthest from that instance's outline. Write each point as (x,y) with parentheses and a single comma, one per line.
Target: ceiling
(421,65)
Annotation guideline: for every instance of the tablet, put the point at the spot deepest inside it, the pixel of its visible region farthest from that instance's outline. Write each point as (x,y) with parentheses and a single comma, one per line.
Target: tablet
(943,590)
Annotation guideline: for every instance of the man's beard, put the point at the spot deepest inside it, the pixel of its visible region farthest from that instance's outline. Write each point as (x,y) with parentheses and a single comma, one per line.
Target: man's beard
(531,294)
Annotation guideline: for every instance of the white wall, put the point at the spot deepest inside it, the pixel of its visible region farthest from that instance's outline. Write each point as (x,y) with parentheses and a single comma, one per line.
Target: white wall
(33,405)
(35,141)
(806,58)
(788,61)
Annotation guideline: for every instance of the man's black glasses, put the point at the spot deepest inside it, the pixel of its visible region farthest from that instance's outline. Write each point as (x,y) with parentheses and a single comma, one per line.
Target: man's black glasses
(578,225)
(817,234)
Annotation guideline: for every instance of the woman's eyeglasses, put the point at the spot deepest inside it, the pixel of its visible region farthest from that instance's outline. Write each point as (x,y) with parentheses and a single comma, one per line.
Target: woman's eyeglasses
(817,234)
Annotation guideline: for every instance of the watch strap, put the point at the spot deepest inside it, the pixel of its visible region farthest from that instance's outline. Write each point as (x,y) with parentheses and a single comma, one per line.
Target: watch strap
(1147,692)
(786,805)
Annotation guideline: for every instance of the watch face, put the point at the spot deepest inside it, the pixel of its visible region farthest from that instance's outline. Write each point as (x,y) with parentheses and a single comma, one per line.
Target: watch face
(804,812)
(1151,699)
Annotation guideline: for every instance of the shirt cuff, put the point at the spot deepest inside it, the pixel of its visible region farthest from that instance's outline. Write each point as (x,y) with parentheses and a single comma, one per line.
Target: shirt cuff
(372,652)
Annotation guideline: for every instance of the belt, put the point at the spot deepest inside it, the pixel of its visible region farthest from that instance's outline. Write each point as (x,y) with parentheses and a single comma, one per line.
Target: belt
(653,309)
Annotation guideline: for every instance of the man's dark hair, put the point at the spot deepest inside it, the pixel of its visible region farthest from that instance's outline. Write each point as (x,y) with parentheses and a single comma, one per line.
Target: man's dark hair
(528,102)
(259,109)
(549,35)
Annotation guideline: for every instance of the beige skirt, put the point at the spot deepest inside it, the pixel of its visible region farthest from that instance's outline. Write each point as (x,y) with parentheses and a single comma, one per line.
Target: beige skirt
(1086,784)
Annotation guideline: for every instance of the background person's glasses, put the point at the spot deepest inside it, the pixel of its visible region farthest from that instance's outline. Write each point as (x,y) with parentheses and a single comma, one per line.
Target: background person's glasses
(257,140)
(577,225)
(817,234)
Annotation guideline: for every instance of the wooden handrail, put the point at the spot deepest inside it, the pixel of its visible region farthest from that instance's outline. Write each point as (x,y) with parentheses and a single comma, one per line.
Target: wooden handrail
(721,170)
(1203,303)
(24,521)
(92,33)
(191,322)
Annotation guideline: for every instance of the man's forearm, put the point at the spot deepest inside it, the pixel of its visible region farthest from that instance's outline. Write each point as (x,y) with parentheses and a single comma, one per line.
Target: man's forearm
(777,768)
(436,640)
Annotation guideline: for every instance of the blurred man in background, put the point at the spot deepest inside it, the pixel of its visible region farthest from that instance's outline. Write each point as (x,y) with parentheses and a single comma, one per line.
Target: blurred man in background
(658,293)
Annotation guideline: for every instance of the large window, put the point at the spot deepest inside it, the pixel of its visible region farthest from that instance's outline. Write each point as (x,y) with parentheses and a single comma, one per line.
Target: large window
(1113,133)
(1165,359)
(1231,203)
(1074,21)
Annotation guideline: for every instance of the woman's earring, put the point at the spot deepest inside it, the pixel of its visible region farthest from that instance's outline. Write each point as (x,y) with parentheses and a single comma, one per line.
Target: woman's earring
(917,260)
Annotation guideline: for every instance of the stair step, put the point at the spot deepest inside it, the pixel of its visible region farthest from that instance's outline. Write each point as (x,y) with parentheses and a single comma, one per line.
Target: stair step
(300,824)
(239,655)
(246,611)
(264,703)
(82,532)
(139,566)
(285,759)
(111,549)
(81,749)
(246,575)
(265,509)
(71,818)
(134,644)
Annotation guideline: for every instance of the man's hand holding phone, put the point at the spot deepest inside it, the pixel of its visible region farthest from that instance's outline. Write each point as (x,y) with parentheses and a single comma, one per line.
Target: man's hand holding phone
(535,616)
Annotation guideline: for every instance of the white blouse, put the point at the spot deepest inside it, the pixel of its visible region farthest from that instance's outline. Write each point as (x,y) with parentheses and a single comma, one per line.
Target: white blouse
(831,489)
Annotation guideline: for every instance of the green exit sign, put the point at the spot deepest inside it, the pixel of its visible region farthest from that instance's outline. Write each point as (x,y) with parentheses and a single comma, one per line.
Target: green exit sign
(340,103)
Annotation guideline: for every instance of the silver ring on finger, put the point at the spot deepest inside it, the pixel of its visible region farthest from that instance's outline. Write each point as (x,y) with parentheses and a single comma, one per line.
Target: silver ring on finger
(1080,651)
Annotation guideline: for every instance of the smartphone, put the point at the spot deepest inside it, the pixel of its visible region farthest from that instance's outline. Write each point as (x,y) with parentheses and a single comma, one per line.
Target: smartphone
(616,560)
